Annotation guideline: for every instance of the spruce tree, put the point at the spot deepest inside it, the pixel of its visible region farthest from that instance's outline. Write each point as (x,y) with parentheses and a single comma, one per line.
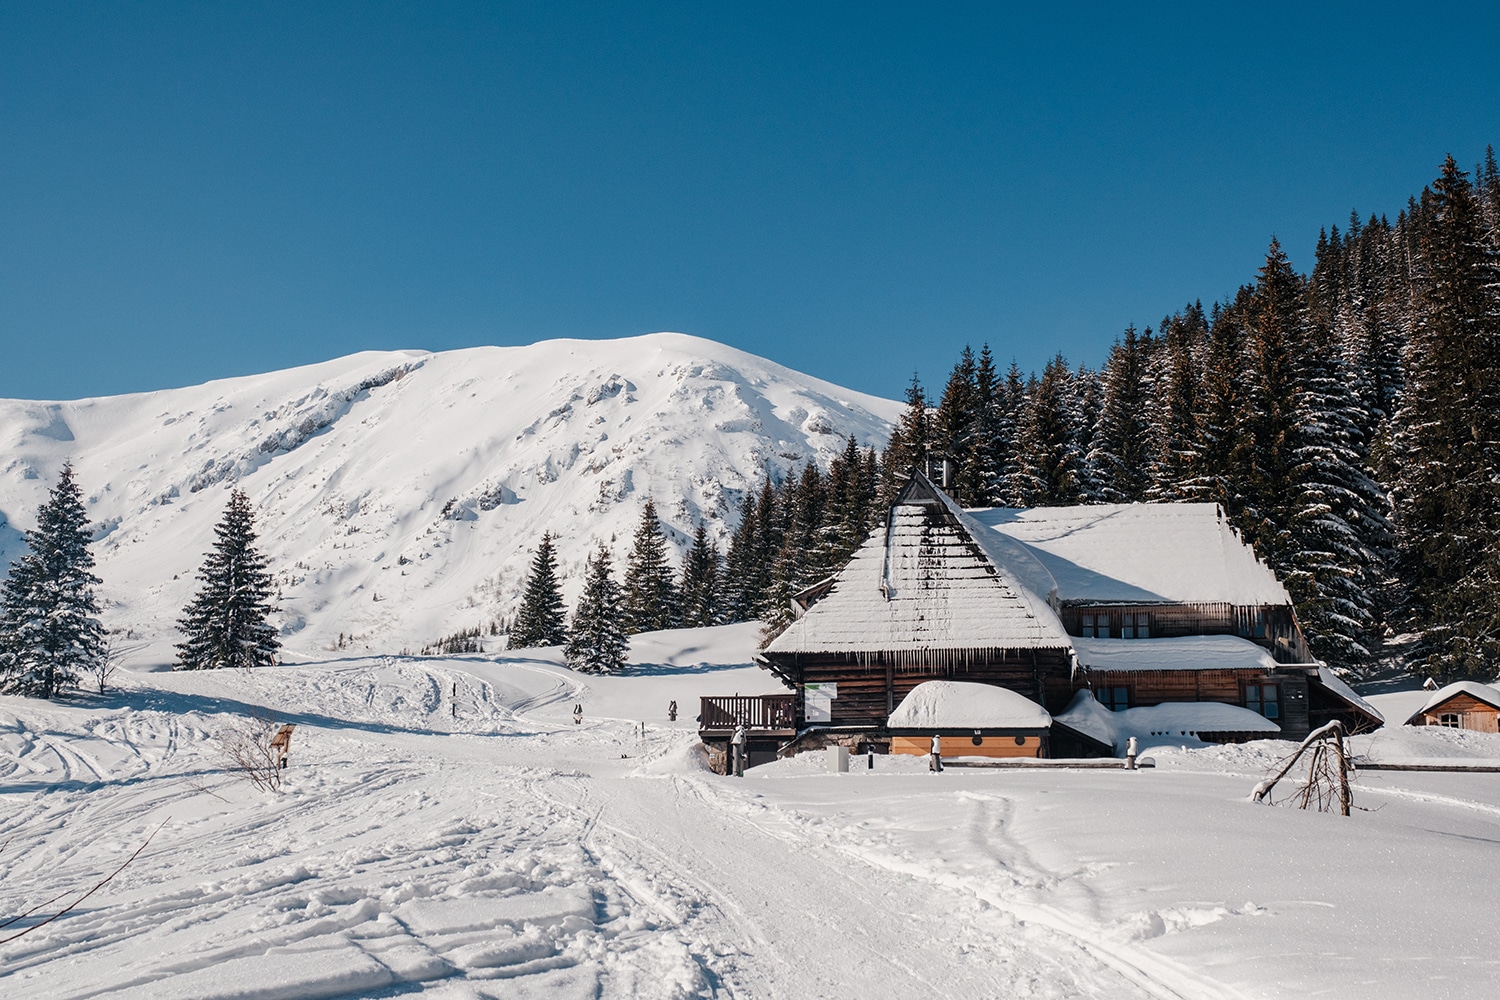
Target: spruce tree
(740,565)
(955,430)
(1339,529)
(910,442)
(650,593)
(1051,472)
(597,641)
(1120,453)
(225,625)
(541,620)
(1174,430)
(986,457)
(1274,349)
(1448,439)
(701,581)
(50,634)
(1011,404)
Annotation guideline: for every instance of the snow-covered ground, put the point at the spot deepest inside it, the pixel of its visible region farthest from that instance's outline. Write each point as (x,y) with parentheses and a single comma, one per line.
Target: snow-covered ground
(502,851)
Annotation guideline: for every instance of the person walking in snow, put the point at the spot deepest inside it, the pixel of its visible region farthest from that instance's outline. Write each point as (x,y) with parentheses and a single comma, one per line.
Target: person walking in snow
(935,758)
(577,714)
(672,711)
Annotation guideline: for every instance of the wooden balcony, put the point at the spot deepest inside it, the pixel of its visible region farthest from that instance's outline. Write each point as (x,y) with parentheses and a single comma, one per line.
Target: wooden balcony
(760,714)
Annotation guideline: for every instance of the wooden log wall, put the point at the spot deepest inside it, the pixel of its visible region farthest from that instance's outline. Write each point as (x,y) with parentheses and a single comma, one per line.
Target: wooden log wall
(1269,625)
(1473,714)
(868,692)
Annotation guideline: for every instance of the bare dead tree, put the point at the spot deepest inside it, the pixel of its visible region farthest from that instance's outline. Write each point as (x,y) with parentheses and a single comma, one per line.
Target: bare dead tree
(104,667)
(69,908)
(247,748)
(1328,768)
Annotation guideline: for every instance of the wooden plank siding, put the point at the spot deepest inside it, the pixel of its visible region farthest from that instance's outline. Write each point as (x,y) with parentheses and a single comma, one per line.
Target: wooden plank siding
(870,688)
(1271,626)
(990,745)
(1473,714)
(1155,687)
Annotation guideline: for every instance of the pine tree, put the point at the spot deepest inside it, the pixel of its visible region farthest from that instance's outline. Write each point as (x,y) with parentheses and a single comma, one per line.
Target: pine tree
(1274,355)
(955,429)
(50,634)
(541,620)
(1448,439)
(1011,404)
(910,443)
(597,642)
(1120,454)
(1174,430)
(701,581)
(225,625)
(740,564)
(1339,530)
(649,594)
(988,454)
(1051,465)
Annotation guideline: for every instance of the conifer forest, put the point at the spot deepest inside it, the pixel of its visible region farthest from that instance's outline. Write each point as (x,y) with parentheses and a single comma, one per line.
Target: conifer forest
(1346,422)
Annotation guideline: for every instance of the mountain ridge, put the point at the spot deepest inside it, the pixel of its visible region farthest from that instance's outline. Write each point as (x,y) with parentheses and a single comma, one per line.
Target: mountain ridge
(400,493)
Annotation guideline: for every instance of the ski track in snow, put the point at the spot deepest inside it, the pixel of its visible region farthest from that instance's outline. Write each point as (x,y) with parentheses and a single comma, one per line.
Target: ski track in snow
(504,851)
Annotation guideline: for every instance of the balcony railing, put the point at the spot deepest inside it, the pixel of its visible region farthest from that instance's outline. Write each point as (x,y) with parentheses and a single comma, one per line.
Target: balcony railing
(766,711)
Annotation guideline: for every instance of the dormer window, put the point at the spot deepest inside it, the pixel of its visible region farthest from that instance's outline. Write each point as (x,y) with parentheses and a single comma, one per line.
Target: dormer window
(1135,625)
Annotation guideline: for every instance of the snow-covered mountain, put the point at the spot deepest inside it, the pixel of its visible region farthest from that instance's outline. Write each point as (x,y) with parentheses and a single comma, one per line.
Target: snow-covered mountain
(401,495)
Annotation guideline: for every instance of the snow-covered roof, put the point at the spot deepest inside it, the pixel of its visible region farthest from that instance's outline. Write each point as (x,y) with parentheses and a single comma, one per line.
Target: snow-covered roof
(922,583)
(1334,683)
(965,705)
(1482,692)
(1174,719)
(1108,553)
(1190,652)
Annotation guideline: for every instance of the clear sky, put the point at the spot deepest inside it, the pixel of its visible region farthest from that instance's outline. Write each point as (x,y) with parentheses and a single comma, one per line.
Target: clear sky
(196,190)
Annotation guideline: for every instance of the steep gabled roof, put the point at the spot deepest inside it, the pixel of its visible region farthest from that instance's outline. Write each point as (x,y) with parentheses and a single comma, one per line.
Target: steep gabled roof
(1139,552)
(1479,692)
(921,583)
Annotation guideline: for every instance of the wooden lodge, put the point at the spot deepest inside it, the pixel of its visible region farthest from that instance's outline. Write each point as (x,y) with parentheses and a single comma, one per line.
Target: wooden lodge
(1461,705)
(1139,604)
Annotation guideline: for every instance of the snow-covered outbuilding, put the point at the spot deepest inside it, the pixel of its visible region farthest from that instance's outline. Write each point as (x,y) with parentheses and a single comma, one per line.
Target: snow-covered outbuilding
(1461,705)
(970,720)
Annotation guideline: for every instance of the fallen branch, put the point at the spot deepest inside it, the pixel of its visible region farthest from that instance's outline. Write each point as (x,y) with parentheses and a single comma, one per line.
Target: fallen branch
(99,885)
(1327,774)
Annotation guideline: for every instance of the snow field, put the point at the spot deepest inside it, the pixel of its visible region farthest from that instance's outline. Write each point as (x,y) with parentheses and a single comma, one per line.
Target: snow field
(505,851)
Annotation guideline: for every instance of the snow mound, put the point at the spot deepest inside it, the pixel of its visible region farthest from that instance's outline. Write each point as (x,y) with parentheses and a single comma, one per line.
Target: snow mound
(1192,652)
(963,705)
(1176,721)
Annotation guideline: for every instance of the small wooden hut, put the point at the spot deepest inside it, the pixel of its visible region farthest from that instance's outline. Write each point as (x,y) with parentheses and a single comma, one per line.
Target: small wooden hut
(1461,705)
(970,720)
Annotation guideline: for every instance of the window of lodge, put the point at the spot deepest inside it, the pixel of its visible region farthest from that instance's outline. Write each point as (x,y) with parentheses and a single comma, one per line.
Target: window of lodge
(1264,699)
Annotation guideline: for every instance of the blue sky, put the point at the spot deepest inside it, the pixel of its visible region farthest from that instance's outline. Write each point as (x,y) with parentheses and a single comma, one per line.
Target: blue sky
(191,191)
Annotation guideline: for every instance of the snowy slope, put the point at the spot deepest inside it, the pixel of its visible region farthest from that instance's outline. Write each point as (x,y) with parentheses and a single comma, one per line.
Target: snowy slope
(401,494)
(507,852)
